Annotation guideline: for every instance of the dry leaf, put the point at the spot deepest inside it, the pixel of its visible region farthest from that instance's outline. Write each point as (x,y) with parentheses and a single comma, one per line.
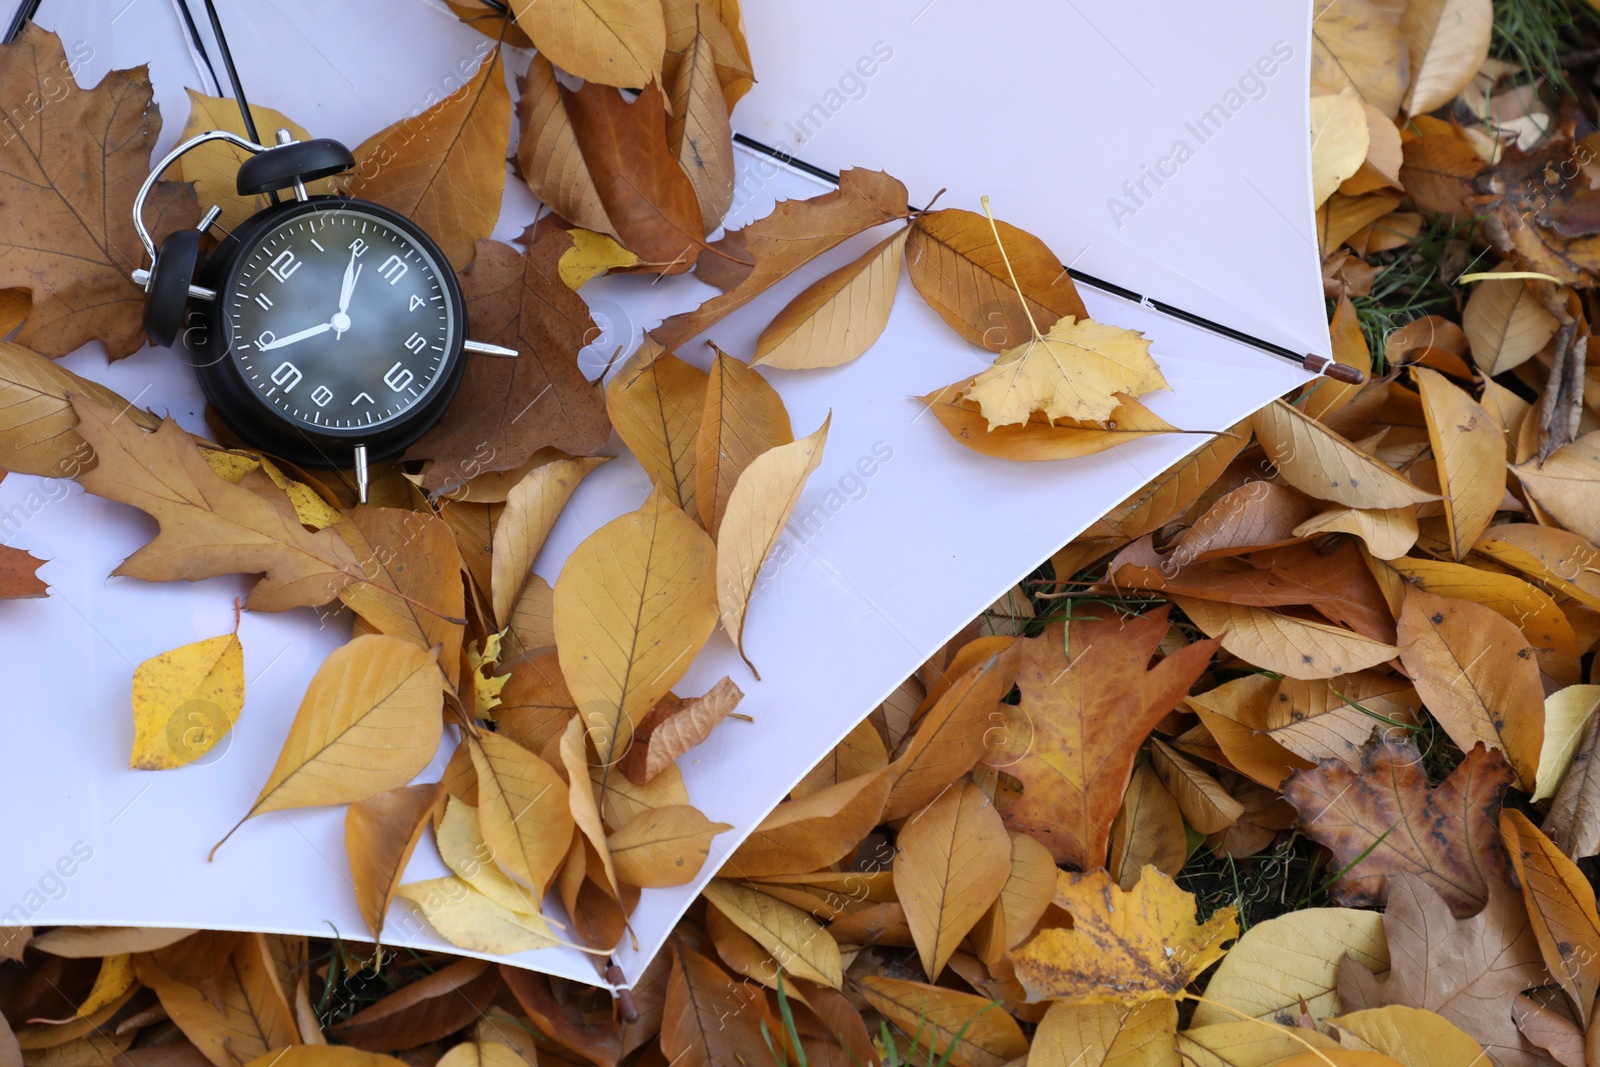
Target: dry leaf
(1567,713)
(1354,44)
(1148,831)
(663,846)
(591,255)
(1388,533)
(1252,1044)
(548,155)
(1089,713)
(470,920)
(1038,438)
(184,701)
(482,1054)
(574,752)
(674,726)
(92,942)
(1561,906)
(1565,562)
(743,417)
(425,1010)
(720,21)
(252,1016)
(37,434)
(761,502)
(1292,960)
(595,1036)
(1107,1035)
(1319,462)
(523,810)
(208,526)
(1411,1036)
(698,132)
(801,947)
(839,316)
(1564,484)
(1339,141)
(709,1020)
(1206,806)
(1297,648)
(445,168)
(1173,492)
(657,403)
(1386,821)
(212,167)
(1072,372)
(532,508)
(380,834)
(1124,947)
(1448,41)
(1471,458)
(611,42)
(68,179)
(1023,900)
(970,1031)
(1505,323)
(634,603)
(470,858)
(370,722)
(954,859)
(816,830)
(413,582)
(17,578)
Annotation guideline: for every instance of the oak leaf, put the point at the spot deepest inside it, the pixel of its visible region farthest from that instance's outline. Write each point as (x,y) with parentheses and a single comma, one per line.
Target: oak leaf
(1076,371)
(1089,714)
(1385,820)
(610,42)
(209,526)
(674,726)
(413,579)
(380,834)
(37,434)
(1123,946)
(185,701)
(68,174)
(743,417)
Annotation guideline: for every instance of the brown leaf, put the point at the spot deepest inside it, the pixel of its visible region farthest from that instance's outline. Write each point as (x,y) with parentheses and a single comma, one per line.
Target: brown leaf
(813,831)
(610,42)
(523,810)
(445,168)
(657,403)
(37,434)
(742,417)
(1561,906)
(709,1019)
(535,704)
(791,935)
(17,579)
(1470,453)
(698,132)
(508,409)
(1439,173)
(1089,713)
(1563,485)
(1385,820)
(1466,970)
(1206,806)
(595,1036)
(252,1017)
(1148,831)
(548,155)
(960,271)
(1319,462)
(794,233)
(839,316)
(954,859)
(68,174)
(423,1011)
(663,846)
(380,833)
(532,507)
(1573,822)
(413,586)
(673,727)
(209,526)
(972,1031)
(1354,44)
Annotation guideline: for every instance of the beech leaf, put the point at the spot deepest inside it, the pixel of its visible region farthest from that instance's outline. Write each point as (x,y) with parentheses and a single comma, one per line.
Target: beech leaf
(380,834)
(611,42)
(839,316)
(743,417)
(953,861)
(185,701)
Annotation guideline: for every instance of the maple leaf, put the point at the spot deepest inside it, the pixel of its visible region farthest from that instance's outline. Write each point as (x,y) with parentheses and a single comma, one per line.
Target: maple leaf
(1384,820)
(1089,713)
(1072,372)
(1467,970)
(1125,946)
(209,526)
(68,174)
(508,409)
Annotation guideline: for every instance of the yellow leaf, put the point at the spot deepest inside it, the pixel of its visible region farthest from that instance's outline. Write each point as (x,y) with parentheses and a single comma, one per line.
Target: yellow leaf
(1389,533)
(213,167)
(663,846)
(1413,1037)
(1072,372)
(698,132)
(1237,715)
(839,316)
(1339,141)
(1206,806)
(1564,484)
(114,978)
(523,810)
(613,42)
(1281,961)
(550,161)
(972,1031)
(313,511)
(482,1054)
(811,832)
(370,721)
(184,701)
(1298,648)
(464,851)
(1561,909)
(591,255)
(532,507)
(1471,458)
(1024,898)
(380,834)
(801,946)
(1354,43)
(580,798)
(1039,438)
(1505,324)
(655,403)
(1248,1044)
(761,502)
(954,859)
(633,604)
(1566,712)
(1148,831)
(531,626)
(1564,561)
(1317,461)
(1448,41)
(743,418)
(250,1017)
(621,801)
(1123,946)
(468,919)
(1107,1035)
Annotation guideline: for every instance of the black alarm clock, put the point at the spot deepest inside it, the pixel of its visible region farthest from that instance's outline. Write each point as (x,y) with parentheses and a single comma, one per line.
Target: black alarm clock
(324,329)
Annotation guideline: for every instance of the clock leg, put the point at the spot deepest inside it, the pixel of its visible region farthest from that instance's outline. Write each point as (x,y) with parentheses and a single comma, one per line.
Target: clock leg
(484,348)
(361,473)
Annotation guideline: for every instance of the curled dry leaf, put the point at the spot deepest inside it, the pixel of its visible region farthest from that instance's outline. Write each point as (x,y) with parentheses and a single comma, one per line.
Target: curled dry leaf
(1561,907)
(611,42)
(1388,533)
(532,507)
(523,810)
(743,417)
(1125,947)
(663,846)
(37,434)
(184,701)
(1353,43)
(1470,454)
(839,316)
(971,1031)
(674,726)
(1076,371)
(954,859)
(811,832)
(802,947)
(657,403)
(1386,820)
(698,132)
(634,603)
(380,834)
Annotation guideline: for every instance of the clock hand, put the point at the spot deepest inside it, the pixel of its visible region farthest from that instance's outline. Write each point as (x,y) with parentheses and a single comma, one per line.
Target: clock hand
(349,283)
(293,337)
(341,321)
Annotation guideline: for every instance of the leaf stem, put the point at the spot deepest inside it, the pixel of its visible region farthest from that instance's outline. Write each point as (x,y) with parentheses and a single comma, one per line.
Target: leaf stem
(1026,310)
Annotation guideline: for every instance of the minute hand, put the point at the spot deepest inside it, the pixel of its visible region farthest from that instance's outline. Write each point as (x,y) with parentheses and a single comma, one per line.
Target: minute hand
(293,337)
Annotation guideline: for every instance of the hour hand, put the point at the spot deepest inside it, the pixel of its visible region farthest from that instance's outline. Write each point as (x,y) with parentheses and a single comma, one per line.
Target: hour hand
(293,337)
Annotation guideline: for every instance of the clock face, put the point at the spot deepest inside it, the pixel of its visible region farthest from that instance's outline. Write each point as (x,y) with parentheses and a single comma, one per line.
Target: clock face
(340,320)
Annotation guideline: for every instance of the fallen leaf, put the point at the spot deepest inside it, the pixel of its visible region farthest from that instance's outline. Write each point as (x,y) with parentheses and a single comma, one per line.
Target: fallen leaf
(596,1037)
(1324,465)
(17,577)
(1333,718)
(1175,491)
(698,132)
(470,858)
(1339,141)
(761,502)
(92,942)
(954,859)
(532,508)
(1505,323)
(1564,561)
(252,1016)
(1564,484)
(1038,438)
(531,626)
(1206,806)
(966,1030)
(312,510)
(591,255)
(412,587)
(1466,970)
(611,42)
(796,232)
(1477,675)
(839,316)
(657,403)
(444,169)
(801,946)
(1023,900)
(674,726)
(212,167)
(1567,713)
(548,155)
(1573,821)
(1298,648)
(1071,372)
(37,434)
(425,1010)
(114,979)
(1448,41)
(1254,516)
(534,704)
(482,1054)
(523,810)
(472,921)
(635,601)
(1354,44)
(743,416)
(208,526)
(1292,960)
(1471,458)
(1108,1035)
(574,753)
(816,830)
(1238,714)
(1122,947)
(508,409)
(68,179)
(720,21)
(1561,908)
(1411,1036)
(185,701)
(380,834)
(709,1019)
(663,846)
(1252,1044)
(370,722)
(1148,831)
(1385,821)
(1089,714)
(959,269)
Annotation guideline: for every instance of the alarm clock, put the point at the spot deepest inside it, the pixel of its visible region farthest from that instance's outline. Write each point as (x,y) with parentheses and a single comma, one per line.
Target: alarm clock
(326,330)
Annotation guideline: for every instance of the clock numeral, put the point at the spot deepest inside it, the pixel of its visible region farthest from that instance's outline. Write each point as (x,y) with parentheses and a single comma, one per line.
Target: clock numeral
(322,395)
(358,247)
(393,269)
(363,395)
(398,378)
(287,375)
(265,339)
(284,265)
(264,300)
(416,301)
(415,343)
